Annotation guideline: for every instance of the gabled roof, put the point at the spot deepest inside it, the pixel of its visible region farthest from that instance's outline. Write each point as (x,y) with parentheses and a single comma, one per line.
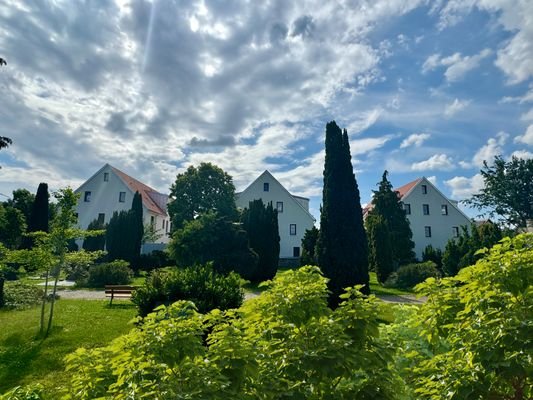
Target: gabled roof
(266,172)
(403,190)
(136,186)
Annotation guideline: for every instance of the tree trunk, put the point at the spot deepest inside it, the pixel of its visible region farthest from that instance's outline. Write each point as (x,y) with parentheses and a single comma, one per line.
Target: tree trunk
(53,298)
(2,302)
(43,305)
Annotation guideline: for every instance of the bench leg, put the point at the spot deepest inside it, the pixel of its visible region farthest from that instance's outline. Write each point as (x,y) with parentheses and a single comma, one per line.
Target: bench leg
(111,301)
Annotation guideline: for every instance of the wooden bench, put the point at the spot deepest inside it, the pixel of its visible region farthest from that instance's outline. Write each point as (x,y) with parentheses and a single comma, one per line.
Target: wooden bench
(119,292)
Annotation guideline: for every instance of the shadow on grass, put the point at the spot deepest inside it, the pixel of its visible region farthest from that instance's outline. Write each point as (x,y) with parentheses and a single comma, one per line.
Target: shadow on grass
(121,305)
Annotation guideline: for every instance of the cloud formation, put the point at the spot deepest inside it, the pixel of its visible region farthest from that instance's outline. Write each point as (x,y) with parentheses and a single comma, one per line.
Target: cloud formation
(457,66)
(435,162)
(415,139)
(456,106)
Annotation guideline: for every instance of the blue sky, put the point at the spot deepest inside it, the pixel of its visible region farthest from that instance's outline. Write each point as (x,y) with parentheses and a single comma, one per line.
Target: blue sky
(425,88)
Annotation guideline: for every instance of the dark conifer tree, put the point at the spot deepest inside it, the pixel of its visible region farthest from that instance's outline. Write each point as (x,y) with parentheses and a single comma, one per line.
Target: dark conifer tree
(342,248)
(38,220)
(137,225)
(387,204)
(261,225)
(94,243)
(379,247)
(120,237)
(309,247)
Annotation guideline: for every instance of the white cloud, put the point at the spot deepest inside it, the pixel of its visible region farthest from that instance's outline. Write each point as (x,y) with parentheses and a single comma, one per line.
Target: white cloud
(415,139)
(364,121)
(490,150)
(456,106)
(457,65)
(435,162)
(524,154)
(463,187)
(527,137)
(432,179)
(514,58)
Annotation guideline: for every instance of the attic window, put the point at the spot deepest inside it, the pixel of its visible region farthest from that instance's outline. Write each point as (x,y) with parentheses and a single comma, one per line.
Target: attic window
(444,209)
(122,197)
(292,229)
(87,197)
(407,208)
(279,206)
(266,187)
(424,189)
(106,176)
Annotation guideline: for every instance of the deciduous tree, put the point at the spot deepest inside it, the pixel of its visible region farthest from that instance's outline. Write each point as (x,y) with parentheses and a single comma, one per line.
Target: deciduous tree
(342,247)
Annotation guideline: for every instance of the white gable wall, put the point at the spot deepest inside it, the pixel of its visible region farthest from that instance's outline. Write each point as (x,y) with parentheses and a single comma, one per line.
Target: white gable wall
(293,211)
(105,200)
(441,225)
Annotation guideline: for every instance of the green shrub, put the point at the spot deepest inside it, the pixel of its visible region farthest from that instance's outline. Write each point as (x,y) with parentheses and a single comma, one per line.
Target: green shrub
(21,295)
(111,273)
(199,284)
(153,260)
(410,275)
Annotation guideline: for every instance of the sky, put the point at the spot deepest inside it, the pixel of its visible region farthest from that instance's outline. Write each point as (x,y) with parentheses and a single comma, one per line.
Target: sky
(424,88)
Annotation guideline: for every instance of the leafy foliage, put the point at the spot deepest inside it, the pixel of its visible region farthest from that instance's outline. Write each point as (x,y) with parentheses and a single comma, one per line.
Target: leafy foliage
(200,190)
(477,329)
(12,227)
(387,204)
(432,254)
(95,243)
(284,344)
(410,275)
(507,191)
(210,238)
(261,225)
(309,241)
(111,273)
(342,248)
(380,257)
(120,237)
(200,284)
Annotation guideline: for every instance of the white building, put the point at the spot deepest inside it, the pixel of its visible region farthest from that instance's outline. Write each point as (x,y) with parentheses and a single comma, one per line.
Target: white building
(110,190)
(434,218)
(293,211)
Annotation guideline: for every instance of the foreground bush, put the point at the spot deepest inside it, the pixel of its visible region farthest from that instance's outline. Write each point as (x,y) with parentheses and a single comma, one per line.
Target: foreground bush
(474,335)
(410,275)
(200,284)
(111,273)
(21,295)
(284,344)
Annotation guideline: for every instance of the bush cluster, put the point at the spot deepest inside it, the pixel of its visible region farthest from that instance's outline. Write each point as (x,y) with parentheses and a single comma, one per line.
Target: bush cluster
(410,275)
(111,273)
(200,284)
(153,260)
(21,295)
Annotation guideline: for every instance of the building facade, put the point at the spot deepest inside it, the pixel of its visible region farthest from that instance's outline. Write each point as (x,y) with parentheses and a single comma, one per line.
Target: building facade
(110,190)
(294,217)
(434,219)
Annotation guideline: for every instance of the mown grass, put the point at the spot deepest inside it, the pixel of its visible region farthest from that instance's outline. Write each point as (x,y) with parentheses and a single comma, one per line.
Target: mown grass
(377,289)
(25,358)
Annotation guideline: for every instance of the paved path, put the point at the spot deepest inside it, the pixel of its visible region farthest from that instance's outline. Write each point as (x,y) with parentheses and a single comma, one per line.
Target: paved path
(81,294)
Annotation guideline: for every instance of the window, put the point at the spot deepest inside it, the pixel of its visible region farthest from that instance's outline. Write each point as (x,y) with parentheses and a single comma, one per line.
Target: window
(425,209)
(122,197)
(101,218)
(152,220)
(106,176)
(163,224)
(166,229)
(455,231)
(424,189)
(407,209)
(266,187)
(279,206)
(427,231)
(444,209)
(296,252)
(87,197)
(292,229)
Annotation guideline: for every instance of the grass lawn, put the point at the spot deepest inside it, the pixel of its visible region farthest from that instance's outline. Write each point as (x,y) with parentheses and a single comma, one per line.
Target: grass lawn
(377,289)
(26,359)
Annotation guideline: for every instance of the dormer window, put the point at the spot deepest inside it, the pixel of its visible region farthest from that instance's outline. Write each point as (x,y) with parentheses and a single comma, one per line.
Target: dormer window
(266,187)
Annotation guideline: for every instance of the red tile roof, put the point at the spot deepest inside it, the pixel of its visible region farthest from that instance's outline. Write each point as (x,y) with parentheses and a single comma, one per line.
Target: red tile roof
(402,191)
(143,189)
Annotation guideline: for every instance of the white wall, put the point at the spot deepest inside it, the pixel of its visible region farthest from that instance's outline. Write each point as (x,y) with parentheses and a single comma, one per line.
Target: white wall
(292,212)
(441,225)
(105,199)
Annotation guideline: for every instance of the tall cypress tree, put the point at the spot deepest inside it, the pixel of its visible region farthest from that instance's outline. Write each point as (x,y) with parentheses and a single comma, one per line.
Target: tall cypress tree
(120,237)
(38,220)
(342,248)
(138,227)
(94,243)
(261,225)
(309,246)
(379,246)
(387,204)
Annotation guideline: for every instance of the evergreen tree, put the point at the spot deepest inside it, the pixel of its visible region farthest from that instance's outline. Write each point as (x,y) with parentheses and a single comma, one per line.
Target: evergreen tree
(380,257)
(387,204)
(94,243)
(342,248)
(120,237)
(38,220)
(138,227)
(309,241)
(14,226)
(261,225)
(432,254)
